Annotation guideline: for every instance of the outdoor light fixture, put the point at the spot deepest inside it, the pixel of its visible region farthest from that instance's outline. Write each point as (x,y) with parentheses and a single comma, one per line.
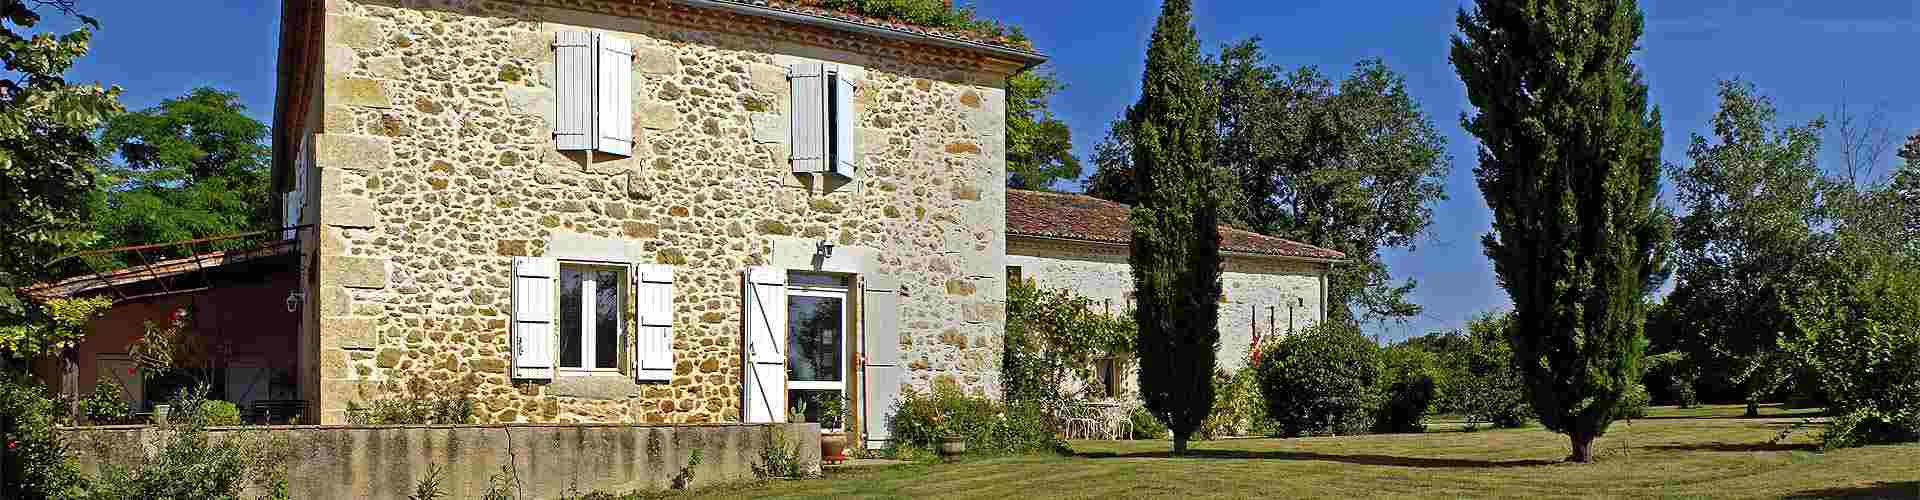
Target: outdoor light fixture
(294,299)
(823,249)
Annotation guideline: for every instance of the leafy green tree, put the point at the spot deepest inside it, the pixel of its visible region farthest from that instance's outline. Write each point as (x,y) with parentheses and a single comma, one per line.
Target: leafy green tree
(1751,198)
(1039,145)
(194,166)
(1570,164)
(1175,253)
(1353,165)
(48,156)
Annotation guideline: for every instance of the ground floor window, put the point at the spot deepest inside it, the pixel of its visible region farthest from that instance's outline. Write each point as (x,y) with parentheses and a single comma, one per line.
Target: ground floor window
(592,297)
(817,318)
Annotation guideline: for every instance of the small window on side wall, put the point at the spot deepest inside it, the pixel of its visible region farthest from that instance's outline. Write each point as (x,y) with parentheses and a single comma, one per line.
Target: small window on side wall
(826,131)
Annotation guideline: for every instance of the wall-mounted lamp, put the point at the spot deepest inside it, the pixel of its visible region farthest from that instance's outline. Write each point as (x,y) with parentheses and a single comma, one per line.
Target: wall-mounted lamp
(823,249)
(294,299)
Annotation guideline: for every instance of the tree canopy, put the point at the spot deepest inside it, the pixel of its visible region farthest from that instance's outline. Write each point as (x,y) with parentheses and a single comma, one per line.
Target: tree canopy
(1353,165)
(194,166)
(1570,164)
(1039,145)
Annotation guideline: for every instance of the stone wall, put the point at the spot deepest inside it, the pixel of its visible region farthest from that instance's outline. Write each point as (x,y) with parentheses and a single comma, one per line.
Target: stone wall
(436,165)
(1257,289)
(548,461)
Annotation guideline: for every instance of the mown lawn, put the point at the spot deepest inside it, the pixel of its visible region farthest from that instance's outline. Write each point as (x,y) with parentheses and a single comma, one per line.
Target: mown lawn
(1699,453)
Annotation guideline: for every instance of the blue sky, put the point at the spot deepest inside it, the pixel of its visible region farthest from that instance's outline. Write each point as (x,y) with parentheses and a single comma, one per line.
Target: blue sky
(1809,55)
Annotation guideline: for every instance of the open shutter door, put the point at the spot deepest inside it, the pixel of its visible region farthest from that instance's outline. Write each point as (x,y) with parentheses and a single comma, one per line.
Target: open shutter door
(846,136)
(533,317)
(880,340)
(809,117)
(614,110)
(573,56)
(653,359)
(765,380)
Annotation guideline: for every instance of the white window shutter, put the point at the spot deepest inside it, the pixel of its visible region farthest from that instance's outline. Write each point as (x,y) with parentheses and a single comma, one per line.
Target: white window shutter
(533,317)
(845,126)
(573,56)
(765,381)
(809,117)
(613,109)
(653,289)
(880,342)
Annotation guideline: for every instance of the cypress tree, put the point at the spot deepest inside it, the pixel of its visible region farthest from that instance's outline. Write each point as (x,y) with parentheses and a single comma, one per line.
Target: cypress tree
(1176,242)
(1570,165)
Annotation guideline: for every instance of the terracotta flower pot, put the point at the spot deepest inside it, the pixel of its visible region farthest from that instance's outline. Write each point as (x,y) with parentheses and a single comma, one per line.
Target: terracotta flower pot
(833,447)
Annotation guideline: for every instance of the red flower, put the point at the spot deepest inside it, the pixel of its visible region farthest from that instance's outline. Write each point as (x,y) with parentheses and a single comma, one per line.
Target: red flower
(129,370)
(11,444)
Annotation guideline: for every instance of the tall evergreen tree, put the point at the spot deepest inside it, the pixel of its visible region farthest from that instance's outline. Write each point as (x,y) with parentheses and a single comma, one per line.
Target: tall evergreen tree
(1570,164)
(1176,241)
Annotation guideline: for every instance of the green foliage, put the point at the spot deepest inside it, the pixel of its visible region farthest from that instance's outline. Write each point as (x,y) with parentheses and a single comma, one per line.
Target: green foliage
(940,14)
(1633,404)
(37,464)
(190,465)
(1322,380)
(1237,406)
(48,155)
(428,487)
(1570,165)
(1407,388)
(50,326)
(920,420)
(1145,425)
(1751,200)
(221,413)
(777,460)
(1039,145)
(420,403)
(194,166)
(1354,165)
(1859,334)
(107,404)
(1475,374)
(1175,257)
(1053,337)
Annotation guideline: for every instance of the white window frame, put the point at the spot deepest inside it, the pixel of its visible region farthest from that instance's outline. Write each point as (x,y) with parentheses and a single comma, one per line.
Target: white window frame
(824,292)
(589,329)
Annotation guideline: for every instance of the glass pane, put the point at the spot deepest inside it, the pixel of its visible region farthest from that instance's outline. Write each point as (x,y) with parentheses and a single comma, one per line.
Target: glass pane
(809,279)
(606,332)
(571,279)
(813,353)
(825,407)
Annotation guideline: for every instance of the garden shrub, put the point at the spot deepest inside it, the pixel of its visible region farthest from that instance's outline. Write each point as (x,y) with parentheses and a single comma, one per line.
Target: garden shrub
(1859,334)
(1145,425)
(189,465)
(1407,386)
(106,405)
(920,420)
(1482,383)
(38,464)
(1052,338)
(419,404)
(1237,405)
(1323,380)
(221,413)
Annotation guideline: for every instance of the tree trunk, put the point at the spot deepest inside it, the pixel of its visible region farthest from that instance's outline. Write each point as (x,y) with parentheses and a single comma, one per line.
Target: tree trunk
(1582,448)
(1179,445)
(1753,407)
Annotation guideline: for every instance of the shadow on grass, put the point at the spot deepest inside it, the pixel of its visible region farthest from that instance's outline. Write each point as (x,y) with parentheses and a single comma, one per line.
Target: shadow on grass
(1385,460)
(1881,489)
(1735,447)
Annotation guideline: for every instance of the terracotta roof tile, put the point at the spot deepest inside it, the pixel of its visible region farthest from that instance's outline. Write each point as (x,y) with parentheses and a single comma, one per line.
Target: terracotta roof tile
(1081,217)
(812,7)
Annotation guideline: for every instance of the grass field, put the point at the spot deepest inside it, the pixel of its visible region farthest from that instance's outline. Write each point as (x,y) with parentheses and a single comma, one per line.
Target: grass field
(1700,453)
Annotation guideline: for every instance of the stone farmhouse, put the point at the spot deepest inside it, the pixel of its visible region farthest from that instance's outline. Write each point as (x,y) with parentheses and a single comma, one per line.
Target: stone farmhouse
(640,211)
(1272,286)
(670,211)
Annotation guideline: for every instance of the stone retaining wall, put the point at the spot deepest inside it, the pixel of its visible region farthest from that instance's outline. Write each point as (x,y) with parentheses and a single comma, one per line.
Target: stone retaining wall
(548,460)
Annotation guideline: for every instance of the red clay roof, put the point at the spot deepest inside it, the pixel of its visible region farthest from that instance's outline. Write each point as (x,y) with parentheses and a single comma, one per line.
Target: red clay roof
(1081,217)
(816,8)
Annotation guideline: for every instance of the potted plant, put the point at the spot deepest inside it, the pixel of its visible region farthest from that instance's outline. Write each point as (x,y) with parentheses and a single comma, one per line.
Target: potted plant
(951,444)
(833,415)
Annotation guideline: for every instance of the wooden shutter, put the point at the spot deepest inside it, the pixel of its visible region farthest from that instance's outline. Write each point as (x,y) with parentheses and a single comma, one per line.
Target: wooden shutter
(845,126)
(613,109)
(809,117)
(880,341)
(653,291)
(573,55)
(533,317)
(765,381)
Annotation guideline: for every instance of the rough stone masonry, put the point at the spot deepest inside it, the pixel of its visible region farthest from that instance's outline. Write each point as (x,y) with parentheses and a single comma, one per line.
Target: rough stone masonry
(435,165)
